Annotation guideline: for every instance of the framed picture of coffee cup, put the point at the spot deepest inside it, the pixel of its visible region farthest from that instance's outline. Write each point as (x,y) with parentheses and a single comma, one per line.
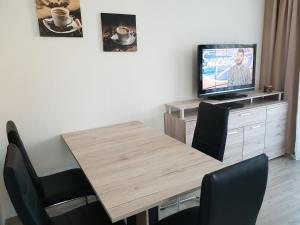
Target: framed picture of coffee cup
(119,32)
(59,18)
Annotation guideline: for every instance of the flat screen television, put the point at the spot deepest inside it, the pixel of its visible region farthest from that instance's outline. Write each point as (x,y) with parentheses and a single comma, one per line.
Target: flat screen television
(226,69)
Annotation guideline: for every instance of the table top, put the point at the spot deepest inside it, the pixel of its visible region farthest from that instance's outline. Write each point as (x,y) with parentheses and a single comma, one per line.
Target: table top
(132,167)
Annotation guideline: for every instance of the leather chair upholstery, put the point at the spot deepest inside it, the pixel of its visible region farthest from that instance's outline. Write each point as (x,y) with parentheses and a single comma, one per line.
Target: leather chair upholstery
(14,138)
(211,130)
(230,196)
(55,188)
(21,190)
(28,204)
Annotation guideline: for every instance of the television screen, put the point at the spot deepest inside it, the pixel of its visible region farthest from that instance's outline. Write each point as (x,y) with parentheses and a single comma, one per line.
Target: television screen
(226,68)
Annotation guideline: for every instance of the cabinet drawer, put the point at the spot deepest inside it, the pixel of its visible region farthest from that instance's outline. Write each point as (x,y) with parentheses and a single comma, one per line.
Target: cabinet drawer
(275,138)
(190,127)
(254,140)
(234,146)
(273,152)
(277,112)
(275,141)
(246,117)
(276,128)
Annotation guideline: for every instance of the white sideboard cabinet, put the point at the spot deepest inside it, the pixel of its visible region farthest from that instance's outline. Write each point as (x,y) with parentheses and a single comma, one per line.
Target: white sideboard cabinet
(259,127)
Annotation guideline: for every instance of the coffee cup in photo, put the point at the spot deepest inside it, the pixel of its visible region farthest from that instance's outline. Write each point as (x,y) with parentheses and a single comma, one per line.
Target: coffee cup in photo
(61,16)
(123,33)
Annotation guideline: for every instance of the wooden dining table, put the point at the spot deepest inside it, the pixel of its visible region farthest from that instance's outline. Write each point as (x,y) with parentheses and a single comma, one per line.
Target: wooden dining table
(133,167)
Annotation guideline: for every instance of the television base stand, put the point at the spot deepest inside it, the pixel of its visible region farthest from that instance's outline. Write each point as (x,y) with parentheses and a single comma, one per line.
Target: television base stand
(226,97)
(232,105)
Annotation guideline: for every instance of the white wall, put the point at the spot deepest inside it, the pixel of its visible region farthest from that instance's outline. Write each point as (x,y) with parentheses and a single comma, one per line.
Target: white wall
(49,86)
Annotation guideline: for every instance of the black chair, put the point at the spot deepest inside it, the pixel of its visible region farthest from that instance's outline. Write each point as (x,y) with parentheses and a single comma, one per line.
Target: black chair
(230,196)
(211,130)
(29,206)
(55,188)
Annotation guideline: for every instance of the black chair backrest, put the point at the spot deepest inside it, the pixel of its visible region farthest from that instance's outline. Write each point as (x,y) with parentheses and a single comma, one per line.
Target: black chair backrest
(21,190)
(211,130)
(14,138)
(233,195)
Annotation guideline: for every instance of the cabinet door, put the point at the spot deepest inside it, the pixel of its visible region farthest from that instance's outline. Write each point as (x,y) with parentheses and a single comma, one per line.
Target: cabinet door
(190,127)
(189,131)
(189,139)
(254,140)
(275,138)
(234,146)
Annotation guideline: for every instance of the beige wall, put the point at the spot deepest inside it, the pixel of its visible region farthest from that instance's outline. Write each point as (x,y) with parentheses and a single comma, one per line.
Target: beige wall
(54,85)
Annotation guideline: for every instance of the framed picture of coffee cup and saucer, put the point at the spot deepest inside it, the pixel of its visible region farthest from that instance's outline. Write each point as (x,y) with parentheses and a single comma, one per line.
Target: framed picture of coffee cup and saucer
(59,18)
(119,32)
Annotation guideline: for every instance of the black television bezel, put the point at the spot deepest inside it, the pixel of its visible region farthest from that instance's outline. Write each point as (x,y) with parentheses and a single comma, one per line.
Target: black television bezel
(223,91)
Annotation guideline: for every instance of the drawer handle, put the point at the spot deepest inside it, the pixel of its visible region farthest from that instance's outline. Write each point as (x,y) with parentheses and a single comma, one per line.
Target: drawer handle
(233,132)
(255,127)
(245,114)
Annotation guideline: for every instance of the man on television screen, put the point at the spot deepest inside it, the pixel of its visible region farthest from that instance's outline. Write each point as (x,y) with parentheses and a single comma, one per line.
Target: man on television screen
(239,74)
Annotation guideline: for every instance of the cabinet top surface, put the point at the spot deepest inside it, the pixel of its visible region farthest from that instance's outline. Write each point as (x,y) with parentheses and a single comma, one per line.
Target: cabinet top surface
(191,115)
(193,104)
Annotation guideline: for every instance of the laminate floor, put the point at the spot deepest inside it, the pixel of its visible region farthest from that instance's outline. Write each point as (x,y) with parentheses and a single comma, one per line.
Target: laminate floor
(281,205)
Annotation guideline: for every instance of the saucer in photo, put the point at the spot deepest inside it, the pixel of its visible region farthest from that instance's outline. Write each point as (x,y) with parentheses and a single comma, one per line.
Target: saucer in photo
(129,41)
(49,24)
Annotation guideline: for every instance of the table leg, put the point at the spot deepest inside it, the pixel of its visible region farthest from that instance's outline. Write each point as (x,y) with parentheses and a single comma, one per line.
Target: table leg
(148,217)
(142,218)
(139,219)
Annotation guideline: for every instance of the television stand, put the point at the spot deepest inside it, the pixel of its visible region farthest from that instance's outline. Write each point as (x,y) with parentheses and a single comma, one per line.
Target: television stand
(258,127)
(232,105)
(226,97)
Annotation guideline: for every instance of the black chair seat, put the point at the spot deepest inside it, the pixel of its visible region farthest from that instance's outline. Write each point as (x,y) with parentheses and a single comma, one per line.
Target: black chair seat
(91,214)
(63,186)
(28,203)
(189,216)
(55,188)
(230,196)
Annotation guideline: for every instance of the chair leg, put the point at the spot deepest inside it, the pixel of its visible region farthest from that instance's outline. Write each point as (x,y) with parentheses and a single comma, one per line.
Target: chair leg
(189,198)
(178,203)
(64,202)
(174,203)
(167,206)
